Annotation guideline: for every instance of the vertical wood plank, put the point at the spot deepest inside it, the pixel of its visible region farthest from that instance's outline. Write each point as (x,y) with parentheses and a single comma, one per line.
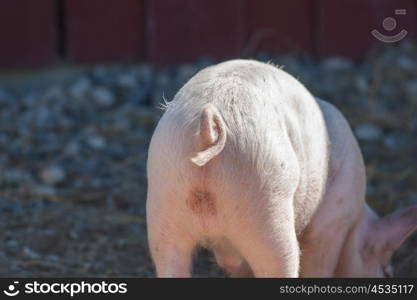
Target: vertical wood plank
(182,30)
(281,26)
(27,33)
(105,30)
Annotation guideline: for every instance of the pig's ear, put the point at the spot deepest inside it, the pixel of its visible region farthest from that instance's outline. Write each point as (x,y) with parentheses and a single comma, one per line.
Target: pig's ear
(393,229)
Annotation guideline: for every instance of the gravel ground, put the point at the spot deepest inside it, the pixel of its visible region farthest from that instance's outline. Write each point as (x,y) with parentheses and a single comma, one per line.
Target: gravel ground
(74,145)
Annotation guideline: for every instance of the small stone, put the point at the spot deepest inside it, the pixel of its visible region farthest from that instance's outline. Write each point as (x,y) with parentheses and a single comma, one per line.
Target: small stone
(44,118)
(44,191)
(29,253)
(103,97)
(144,72)
(73,235)
(96,142)
(139,94)
(390,142)
(53,175)
(368,132)
(80,88)
(53,258)
(336,64)
(5,97)
(8,205)
(127,81)
(99,73)
(12,244)
(117,151)
(362,84)
(121,123)
(72,149)
(30,100)
(16,175)
(53,94)
(411,89)
(397,140)
(407,64)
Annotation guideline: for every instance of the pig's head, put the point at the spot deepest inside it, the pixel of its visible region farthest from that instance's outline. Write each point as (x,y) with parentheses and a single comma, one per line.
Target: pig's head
(367,251)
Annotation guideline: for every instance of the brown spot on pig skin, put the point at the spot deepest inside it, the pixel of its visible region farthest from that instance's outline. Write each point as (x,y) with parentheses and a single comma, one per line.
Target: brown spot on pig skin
(202,203)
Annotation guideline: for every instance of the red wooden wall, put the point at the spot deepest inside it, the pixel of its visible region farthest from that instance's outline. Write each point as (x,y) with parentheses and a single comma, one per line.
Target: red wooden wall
(181,30)
(40,33)
(343,26)
(28,34)
(280,26)
(102,30)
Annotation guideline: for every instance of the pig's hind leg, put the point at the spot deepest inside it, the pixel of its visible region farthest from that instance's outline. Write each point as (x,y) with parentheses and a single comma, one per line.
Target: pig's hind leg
(173,261)
(268,242)
(170,242)
(171,254)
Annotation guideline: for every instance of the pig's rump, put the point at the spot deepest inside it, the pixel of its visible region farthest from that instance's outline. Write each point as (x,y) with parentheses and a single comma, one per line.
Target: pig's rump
(241,152)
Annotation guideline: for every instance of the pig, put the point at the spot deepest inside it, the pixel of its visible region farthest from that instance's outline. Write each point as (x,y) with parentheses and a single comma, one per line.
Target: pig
(247,163)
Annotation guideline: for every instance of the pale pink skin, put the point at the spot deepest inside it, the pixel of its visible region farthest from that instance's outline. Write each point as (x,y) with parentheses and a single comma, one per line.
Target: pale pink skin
(247,163)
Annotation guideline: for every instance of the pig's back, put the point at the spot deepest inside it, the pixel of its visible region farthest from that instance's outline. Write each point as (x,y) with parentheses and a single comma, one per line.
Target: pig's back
(276,139)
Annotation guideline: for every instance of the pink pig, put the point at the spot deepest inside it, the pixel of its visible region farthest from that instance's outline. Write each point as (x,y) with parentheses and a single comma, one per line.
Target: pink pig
(247,163)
